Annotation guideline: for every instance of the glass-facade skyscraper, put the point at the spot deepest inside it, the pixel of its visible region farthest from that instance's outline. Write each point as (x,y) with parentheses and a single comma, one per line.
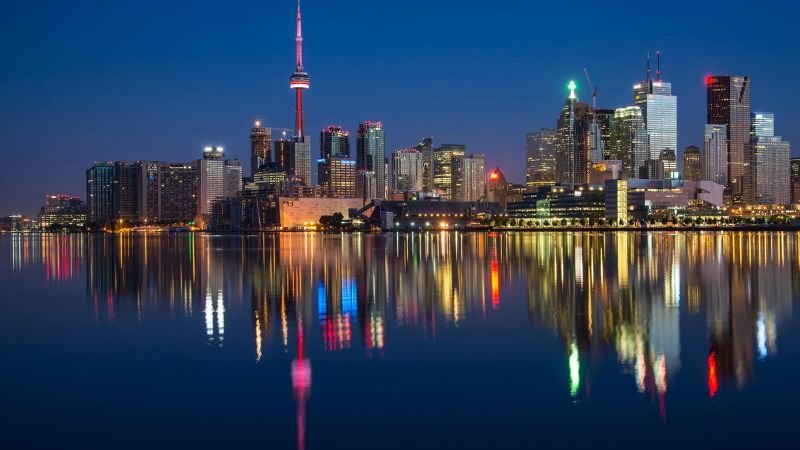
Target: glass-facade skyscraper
(540,159)
(407,170)
(715,154)
(628,140)
(260,146)
(728,103)
(370,157)
(446,169)
(660,114)
(692,169)
(99,184)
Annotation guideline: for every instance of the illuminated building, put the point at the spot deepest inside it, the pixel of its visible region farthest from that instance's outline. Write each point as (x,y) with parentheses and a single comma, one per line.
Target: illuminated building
(728,104)
(299,213)
(473,183)
(299,81)
(425,147)
(572,136)
(334,141)
(446,174)
(715,154)
(601,171)
(337,177)
(692,169)
(283,154)
(628,140)
(407,170)
(566,201)
(770,169)
(232,179)
(180,187)
(212,178)
(659,113)
(540,159)
(616,197)
(762,124)
(63,211)
(497,188)
(99,192)
(661,194)
(429,215)
(270,176)
(794,174)
(670,163)
(370,157)
(260,146)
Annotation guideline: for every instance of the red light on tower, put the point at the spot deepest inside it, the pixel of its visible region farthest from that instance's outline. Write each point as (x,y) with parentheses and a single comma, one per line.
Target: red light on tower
(709,80)
(494,176)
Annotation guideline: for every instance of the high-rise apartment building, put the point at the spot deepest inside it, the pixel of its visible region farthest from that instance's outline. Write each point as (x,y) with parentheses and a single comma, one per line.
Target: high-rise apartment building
(540,159)
(334,141)
(283,154)
(692,169)
(212,178)
(425,147)
(447,170)
(127,191)
(99,192)
(232,179)
(473,184)
(260,146)
(179,190)
(715,154)
(370,157)
(771,170)
(728,103)
(794,177)
(337,177)
(407,170)
(628,140)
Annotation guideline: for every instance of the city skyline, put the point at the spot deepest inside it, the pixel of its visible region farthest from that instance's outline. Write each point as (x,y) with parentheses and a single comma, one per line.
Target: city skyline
(77,140)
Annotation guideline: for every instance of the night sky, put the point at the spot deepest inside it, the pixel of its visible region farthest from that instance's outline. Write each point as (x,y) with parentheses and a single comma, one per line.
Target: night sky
(86,81)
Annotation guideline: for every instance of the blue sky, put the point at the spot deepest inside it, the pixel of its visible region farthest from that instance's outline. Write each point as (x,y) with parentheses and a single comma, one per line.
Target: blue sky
(88,81)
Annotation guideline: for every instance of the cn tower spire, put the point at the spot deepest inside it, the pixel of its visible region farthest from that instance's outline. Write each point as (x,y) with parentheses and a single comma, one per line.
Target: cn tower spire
(299,39)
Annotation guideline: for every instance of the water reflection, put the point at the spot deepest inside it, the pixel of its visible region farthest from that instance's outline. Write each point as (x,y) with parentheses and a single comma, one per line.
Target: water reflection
(617,297)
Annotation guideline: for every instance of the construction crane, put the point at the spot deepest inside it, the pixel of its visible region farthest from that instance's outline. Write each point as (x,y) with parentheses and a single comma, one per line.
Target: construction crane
(597,151)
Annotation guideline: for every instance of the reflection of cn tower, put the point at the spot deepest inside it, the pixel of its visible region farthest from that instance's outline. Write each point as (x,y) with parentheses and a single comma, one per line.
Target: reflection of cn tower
(301,383)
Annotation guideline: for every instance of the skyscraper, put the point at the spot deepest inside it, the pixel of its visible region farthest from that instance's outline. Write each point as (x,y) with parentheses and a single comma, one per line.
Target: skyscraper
(572,140)
(762,124)
(659,112)
(370,156)
(670,163)
(127,191)
(212,178)
(299,81)
(232,179)
(771,171)
(337,176)
(692,168)
(334,141)
(540,158)
(728,103)
(260,146)
(628,140)
(283,154)
(180,186)
(472,186)
(99,192)
(447,172)
(715,154)
(794,173)
(407,170)
(425,146)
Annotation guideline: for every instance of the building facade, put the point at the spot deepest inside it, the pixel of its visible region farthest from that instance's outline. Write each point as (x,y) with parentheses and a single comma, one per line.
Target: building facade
(728,103)
(370,157)
(540,159)
(715,159)
(659,113)
(408,170)
(99,192)
(337,177)
(260,146)
(692,169)
(448,171)
(628,140)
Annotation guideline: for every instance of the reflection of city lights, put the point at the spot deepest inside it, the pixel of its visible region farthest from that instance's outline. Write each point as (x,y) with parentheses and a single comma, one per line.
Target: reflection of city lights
(712,375)
(574,370)
(761,336)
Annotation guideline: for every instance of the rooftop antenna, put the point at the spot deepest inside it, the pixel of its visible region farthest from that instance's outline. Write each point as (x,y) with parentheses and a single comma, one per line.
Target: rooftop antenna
(648,66)
(658,65)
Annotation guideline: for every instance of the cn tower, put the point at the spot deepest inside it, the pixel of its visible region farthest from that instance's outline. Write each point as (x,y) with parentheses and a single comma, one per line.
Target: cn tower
(301,149)
(299,80)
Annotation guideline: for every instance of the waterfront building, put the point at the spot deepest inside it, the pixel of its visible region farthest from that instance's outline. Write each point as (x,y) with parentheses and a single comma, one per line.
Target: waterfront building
(794,174)
(64,211)
(628,140)
(540,158)
(715,161)
(212,178)
(126,191)
(408,170)
(304,213)
(99,192)
(179,192)
(564,201)
(692,169)
(473,185)
(448,171)
(371,157)
(260,146)
(728,104)
(616,197)
(771,170)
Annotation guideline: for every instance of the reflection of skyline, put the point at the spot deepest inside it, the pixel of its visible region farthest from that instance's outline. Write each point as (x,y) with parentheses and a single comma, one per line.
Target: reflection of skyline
(613,296)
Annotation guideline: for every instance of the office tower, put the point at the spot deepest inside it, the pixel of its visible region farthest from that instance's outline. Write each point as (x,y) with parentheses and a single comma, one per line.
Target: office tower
(444,177)
(604,119)
(370,157)
(692,168)
(62,210)
(407,170)
(425,147)
(334,141)
(127,191)
(771,171)
(212,178)
(659,112)
(715,154)
(497,188)
(299,81)
(473,184)
(628,140)
(180,186)
(572,140)
(150,195)
(283,154)
(540,159)
(669,162)
(99,192)
(337,176)
(260,146)
(270,179)
(232,179)
(762,124)
(794,173)
(728,103)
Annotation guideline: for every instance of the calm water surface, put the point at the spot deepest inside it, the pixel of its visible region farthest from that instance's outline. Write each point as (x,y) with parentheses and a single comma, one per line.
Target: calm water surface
(595,340)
